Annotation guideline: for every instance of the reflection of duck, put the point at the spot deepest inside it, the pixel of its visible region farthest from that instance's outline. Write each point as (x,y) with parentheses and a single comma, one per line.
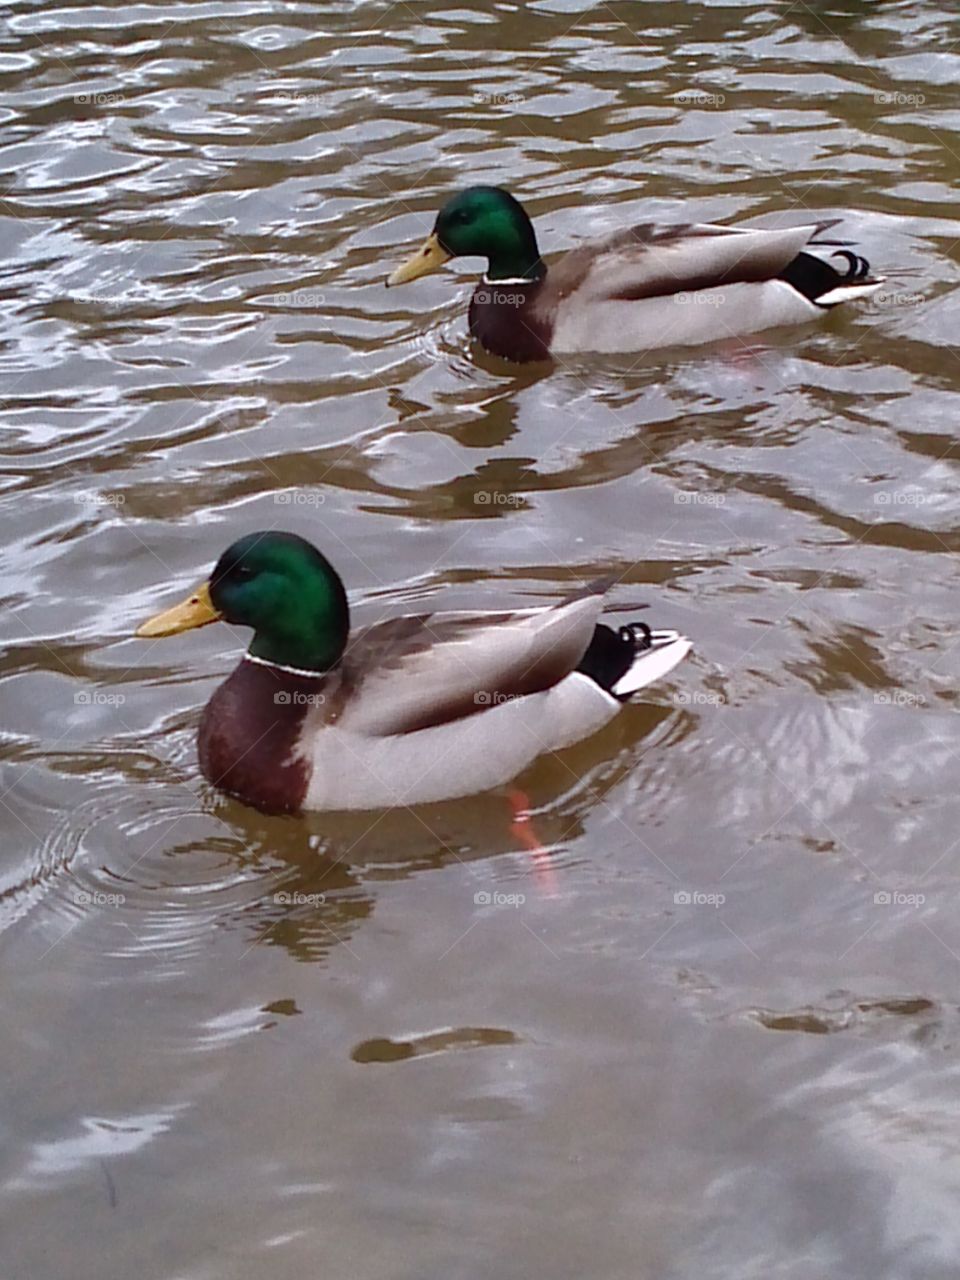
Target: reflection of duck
(319,903)
(836,17)
(335,866)
(406,711)
(648,286)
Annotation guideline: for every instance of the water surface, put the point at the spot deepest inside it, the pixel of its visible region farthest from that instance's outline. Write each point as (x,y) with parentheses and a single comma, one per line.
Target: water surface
(718,1036)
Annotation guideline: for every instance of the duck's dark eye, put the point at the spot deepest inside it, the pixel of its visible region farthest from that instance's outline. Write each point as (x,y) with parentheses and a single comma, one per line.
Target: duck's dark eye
(462,215)
(243,572)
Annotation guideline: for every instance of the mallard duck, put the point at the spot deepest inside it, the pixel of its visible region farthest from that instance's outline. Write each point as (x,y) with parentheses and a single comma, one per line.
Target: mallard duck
(648,286)
(408,710)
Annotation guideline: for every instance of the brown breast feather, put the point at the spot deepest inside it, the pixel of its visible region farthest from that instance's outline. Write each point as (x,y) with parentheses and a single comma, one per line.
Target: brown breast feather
(249,732)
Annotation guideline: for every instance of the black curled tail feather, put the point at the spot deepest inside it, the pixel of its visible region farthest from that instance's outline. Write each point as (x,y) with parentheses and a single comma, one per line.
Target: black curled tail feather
(857,268)
(815,277)
(611,654)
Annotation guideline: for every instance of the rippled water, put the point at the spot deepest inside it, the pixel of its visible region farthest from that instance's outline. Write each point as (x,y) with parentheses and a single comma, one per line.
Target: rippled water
(718,1036)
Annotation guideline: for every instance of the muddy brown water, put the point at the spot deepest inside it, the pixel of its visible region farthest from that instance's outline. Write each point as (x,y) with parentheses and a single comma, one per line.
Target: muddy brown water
(713,1032)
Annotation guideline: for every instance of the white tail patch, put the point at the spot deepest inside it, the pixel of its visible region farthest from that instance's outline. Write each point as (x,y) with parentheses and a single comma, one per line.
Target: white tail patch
(666,650)
(848,292)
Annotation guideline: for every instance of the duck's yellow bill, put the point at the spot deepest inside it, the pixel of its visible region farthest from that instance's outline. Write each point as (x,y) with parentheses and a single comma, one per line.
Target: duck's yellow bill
(429,257)
(196,611)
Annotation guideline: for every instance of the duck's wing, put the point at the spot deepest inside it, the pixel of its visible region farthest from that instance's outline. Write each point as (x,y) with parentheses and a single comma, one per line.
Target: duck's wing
(650,261)
(411,673)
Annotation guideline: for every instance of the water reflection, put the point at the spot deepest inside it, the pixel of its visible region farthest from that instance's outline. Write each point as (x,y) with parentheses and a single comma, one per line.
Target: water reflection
(200,204)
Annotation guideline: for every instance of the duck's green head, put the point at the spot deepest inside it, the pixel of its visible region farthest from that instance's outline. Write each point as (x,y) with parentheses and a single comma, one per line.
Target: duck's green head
(483,222)
(282,587)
